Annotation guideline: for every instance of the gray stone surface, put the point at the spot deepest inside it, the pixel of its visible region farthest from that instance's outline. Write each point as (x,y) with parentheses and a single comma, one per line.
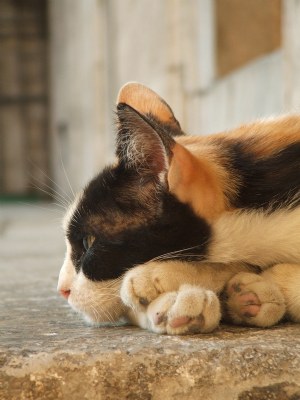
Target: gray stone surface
(47,352)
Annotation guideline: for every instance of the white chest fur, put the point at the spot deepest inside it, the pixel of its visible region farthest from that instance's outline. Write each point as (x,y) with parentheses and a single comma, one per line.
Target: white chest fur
(257,237)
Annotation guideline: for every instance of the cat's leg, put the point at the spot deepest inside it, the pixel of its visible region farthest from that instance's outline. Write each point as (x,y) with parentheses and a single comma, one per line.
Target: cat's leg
(254,299)
(191,309)
(144,283)
(175,297)
(287,278)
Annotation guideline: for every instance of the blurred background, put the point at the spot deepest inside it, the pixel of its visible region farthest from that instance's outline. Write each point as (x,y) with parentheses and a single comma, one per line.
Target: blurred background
(218,63)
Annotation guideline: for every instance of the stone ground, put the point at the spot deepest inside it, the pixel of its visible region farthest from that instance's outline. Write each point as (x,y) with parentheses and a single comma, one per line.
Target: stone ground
(47,352)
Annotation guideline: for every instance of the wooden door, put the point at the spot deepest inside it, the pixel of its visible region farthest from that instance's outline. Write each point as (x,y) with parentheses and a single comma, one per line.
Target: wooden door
(24,149)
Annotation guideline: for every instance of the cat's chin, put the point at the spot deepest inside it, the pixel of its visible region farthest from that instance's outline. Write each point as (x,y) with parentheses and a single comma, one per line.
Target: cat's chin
(110,317)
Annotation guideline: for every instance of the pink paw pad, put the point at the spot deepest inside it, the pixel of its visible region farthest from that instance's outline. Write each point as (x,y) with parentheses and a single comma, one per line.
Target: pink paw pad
(250,304)
(179,321)
(194,325)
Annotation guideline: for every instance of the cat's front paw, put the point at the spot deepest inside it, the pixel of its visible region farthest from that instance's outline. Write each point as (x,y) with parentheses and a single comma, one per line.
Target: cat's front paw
(140,286)
(190,310)
(251,300)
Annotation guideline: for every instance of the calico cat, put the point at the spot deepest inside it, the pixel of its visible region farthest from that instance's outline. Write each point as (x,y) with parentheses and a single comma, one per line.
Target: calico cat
(183,230)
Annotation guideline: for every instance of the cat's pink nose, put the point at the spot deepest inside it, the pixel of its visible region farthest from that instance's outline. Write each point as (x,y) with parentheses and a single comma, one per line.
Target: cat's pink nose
(65,293)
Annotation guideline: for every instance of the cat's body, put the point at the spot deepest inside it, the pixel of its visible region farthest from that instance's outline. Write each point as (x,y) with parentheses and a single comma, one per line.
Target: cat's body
(200,215)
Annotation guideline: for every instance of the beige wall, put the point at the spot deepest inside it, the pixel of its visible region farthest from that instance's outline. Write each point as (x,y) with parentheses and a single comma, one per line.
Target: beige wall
(291,35)
(170,45)
(78,89)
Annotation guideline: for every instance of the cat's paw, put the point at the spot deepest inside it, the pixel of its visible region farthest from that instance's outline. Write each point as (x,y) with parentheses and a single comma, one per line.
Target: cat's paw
(140,286)
(251,300)
(190,310)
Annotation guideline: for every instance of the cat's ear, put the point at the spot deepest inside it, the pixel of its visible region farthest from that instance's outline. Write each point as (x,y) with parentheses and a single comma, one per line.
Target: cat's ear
(141,146)
(150,105)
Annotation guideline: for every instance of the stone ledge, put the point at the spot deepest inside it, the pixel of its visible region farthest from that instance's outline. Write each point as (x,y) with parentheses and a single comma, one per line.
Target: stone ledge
(47,352)
(126,363)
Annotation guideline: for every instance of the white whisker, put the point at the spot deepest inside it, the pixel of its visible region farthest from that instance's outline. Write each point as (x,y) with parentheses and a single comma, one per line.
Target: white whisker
(54,210)
(61,202)
(176,254)
(62,196)
(51,180)
(65,172)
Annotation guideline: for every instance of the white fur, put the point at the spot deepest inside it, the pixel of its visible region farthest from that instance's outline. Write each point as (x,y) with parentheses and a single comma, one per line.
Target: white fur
(255,237)
(67,272)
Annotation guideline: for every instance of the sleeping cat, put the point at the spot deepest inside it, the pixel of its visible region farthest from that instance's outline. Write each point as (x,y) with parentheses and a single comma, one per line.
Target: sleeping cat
(183,230)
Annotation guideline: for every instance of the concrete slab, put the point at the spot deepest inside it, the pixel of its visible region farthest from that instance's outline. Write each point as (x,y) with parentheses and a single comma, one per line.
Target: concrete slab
(47,352)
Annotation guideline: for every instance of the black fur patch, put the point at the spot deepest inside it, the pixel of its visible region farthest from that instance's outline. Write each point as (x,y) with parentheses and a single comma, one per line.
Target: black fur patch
(268,182)
(174,227)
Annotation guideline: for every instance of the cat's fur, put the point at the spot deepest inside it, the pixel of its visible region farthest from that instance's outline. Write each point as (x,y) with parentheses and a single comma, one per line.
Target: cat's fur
(180,222)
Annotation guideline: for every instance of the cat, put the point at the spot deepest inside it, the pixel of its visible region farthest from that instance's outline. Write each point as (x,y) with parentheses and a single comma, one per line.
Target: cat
(181,230)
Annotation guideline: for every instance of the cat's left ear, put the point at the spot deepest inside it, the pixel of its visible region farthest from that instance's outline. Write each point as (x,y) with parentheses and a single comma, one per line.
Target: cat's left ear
(149,104)
(146,126)
(141,147)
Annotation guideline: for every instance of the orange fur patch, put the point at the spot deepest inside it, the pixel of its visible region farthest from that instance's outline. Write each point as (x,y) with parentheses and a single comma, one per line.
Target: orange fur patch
(196,174)
(268,136)
(146,102)
(198,182)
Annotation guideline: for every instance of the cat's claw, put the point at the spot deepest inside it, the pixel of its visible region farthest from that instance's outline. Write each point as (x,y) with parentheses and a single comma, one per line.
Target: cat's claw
(190,310)
(253,301)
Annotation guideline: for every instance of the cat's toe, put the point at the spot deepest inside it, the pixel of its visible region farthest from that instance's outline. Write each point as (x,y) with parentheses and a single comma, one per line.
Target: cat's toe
(253,301)
(157,311)
(138,288)
(196,310)
(190,310)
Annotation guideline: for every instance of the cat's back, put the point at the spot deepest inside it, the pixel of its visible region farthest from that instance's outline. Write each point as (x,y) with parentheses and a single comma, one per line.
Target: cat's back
(256,166)
(262,138)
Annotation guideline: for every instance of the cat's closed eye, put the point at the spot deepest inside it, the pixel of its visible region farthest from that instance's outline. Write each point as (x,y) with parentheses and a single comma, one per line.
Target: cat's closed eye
(88,241)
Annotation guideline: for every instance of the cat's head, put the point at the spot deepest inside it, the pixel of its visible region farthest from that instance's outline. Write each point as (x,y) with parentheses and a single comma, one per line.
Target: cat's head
(127,214)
